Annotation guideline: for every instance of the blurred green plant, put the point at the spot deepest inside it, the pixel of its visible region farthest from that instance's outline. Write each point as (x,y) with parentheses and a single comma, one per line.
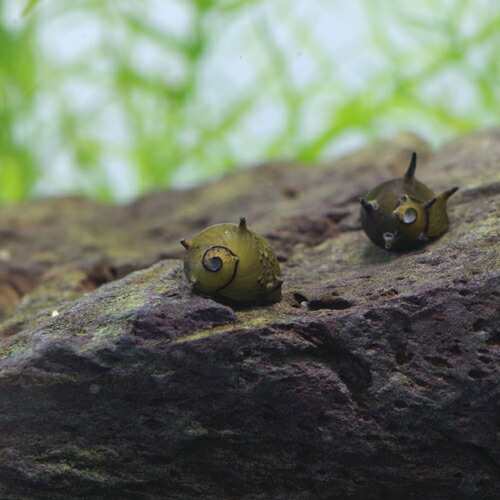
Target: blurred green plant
(18,170)
(164,121)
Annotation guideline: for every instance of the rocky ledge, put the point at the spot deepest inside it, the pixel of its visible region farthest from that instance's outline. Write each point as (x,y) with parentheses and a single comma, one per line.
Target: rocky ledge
(376,377)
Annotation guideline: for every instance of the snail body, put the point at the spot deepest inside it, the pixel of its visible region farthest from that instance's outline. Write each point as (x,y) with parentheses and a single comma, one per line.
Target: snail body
(231,263)
(401,214)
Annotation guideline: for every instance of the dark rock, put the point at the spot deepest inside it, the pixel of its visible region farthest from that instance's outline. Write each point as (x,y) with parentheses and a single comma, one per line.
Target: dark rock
(377,376)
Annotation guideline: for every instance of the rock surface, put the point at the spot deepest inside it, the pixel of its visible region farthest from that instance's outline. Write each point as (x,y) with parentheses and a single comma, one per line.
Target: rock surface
(376,377)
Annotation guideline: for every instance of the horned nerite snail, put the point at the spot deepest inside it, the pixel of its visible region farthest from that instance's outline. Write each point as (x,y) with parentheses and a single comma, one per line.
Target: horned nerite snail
(401,214)
(232,263)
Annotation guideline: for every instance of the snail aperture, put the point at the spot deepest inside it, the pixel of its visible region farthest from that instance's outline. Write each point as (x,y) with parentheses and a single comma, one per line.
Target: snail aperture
(232,263)
(401,214)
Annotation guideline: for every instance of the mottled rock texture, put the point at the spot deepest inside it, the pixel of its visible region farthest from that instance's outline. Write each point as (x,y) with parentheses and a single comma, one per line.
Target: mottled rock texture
(377,376)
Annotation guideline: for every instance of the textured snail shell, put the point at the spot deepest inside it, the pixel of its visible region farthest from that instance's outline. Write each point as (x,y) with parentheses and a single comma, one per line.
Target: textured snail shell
(230,262)
(404,213)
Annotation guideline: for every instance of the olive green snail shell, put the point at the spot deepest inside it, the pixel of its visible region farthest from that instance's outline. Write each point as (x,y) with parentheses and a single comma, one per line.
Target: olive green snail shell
(402,214)
(230,263)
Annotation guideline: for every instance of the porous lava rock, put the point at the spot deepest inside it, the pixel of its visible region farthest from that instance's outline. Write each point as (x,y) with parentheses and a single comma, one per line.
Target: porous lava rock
(376,378)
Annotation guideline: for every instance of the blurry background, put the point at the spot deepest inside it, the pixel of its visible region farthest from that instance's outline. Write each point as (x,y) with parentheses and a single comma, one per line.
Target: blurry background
(115,98)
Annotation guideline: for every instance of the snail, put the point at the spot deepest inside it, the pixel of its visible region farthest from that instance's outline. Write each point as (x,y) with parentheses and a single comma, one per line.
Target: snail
(231,263)
(402,214)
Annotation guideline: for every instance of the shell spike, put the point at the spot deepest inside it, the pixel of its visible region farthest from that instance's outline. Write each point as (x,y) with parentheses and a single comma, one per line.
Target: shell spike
(243,223)
(410,173)
(428,204)
(445,195)
(186,244)
(369,206)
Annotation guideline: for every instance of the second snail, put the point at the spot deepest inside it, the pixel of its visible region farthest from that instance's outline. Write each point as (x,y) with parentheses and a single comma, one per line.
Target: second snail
(402,214)
(231,263)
